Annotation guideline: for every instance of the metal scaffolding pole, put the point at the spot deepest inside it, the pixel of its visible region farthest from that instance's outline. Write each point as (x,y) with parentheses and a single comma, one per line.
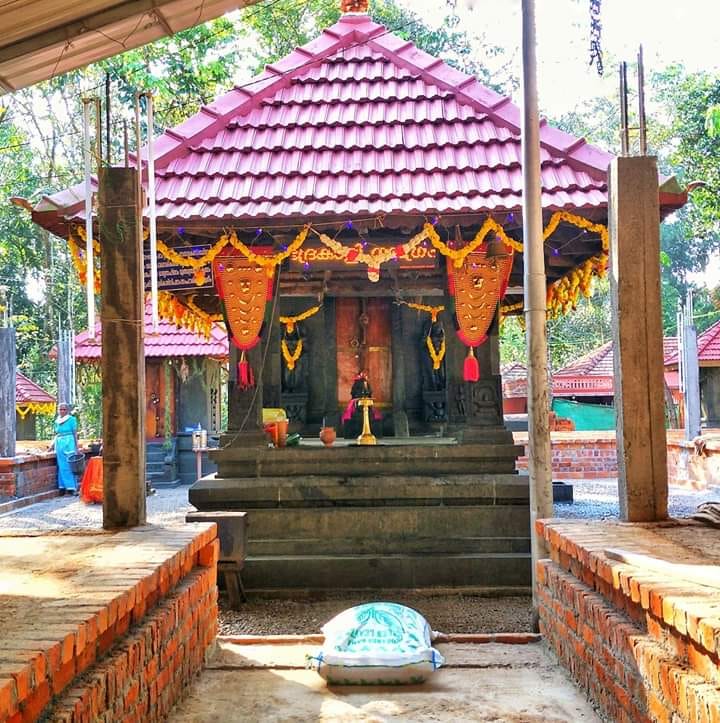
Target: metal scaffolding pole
(539,454)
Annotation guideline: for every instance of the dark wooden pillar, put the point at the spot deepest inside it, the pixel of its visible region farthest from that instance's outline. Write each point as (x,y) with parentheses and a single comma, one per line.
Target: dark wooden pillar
(399,390)
(245,405)
(123,361)
(8,368)
(332,416)
(634,222)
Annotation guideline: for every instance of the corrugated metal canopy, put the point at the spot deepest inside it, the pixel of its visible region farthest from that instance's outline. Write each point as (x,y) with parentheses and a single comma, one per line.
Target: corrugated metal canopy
(44,38)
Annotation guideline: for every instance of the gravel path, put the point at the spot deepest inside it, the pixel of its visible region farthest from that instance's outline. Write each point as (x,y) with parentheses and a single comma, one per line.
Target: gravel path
(164,507)
(597,499)
(454,613)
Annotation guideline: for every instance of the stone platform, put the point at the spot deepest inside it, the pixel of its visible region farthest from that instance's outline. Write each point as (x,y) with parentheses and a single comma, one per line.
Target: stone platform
(405,515)
(641,638)
(104,626)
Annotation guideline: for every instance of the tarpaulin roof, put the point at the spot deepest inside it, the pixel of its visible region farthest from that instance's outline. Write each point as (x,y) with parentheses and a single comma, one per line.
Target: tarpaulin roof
(358,122)
(45,38)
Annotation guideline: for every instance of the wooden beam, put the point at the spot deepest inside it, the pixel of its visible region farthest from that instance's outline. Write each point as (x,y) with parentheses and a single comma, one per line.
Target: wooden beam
(637,330)
(123,359)
(8,368)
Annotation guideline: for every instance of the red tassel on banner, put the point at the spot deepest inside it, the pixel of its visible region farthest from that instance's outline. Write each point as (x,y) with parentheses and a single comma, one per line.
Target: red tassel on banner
(246,379)
(471,367)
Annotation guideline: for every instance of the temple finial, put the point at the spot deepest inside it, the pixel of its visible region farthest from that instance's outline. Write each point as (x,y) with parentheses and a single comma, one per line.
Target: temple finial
(354,6)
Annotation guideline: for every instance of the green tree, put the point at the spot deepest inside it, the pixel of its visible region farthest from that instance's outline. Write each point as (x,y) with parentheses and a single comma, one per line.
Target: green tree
(275,30)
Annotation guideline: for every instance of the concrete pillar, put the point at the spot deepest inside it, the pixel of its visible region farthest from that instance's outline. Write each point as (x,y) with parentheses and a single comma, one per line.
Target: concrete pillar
(690,373)
(8,368)
(123,360)
(65,391)
(634,224)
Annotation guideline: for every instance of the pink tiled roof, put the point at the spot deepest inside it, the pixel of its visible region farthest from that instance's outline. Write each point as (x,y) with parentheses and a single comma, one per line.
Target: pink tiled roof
(358,121)
(513,370)
(708,347)
(597,363)
(168,342)
(27,391)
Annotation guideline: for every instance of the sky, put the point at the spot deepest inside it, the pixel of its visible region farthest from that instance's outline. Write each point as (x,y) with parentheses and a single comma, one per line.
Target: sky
(671,31)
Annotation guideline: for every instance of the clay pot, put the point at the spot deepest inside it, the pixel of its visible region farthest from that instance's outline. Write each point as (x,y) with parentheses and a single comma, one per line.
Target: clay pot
(327,436)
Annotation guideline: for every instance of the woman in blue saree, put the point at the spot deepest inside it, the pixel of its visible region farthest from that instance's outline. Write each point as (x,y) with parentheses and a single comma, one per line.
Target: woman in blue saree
(65,443)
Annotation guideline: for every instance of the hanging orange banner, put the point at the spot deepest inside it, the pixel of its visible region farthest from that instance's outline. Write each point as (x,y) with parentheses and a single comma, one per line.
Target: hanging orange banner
(244,288)
(478,285)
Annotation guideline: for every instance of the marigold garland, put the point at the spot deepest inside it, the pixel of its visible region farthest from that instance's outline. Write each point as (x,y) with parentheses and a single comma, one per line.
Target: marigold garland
(25,408)
(435,355)
(183,316)
(267,262)
(290,321)
(458,256)
(432,310)
(291,359)
(377,256)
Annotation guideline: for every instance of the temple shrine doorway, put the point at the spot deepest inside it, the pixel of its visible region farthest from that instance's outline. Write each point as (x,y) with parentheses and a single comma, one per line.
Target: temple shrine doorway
(363,337)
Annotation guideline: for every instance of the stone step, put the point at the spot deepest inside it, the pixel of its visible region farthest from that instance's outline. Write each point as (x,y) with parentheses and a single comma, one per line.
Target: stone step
(380,460)
(408,545)
(163,483)
(393,525)
(212,492)
(373,571)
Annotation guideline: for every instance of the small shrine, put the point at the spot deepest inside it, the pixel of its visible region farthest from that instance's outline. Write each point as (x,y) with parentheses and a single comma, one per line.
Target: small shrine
(354,216)
(30,400)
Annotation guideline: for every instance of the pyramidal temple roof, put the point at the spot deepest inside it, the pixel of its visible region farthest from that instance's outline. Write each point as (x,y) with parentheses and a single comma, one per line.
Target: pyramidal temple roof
(356,122)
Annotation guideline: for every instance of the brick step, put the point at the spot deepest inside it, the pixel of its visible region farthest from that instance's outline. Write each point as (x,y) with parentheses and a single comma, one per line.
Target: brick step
(352,572)
(619,663)
(50,653)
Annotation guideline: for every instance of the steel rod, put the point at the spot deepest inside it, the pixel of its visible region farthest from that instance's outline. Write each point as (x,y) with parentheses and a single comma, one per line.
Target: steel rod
(151,215)
(138,168)
(641,102)
(539,454)
(89,255)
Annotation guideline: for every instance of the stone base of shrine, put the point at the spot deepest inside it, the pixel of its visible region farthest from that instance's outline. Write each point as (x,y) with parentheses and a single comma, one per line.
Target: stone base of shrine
(104,626)
(401,516)
(642,640)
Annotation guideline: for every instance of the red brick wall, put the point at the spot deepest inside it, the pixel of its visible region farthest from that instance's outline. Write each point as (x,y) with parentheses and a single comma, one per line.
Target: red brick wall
(625,638)
(27,475)
(578,455)
(691,467)
(131,661)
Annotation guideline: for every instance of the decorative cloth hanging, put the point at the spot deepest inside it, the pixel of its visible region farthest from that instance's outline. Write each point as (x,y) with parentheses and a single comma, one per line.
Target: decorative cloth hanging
(244,289)
(478,286)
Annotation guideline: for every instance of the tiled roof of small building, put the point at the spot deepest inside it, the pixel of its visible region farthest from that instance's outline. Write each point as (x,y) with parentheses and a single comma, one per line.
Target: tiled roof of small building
(708,348)
(597,363)
(168,342)
(27,391)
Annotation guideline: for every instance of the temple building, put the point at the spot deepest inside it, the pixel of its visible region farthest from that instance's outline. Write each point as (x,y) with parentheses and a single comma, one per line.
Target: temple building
(30,400)
(354,213)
